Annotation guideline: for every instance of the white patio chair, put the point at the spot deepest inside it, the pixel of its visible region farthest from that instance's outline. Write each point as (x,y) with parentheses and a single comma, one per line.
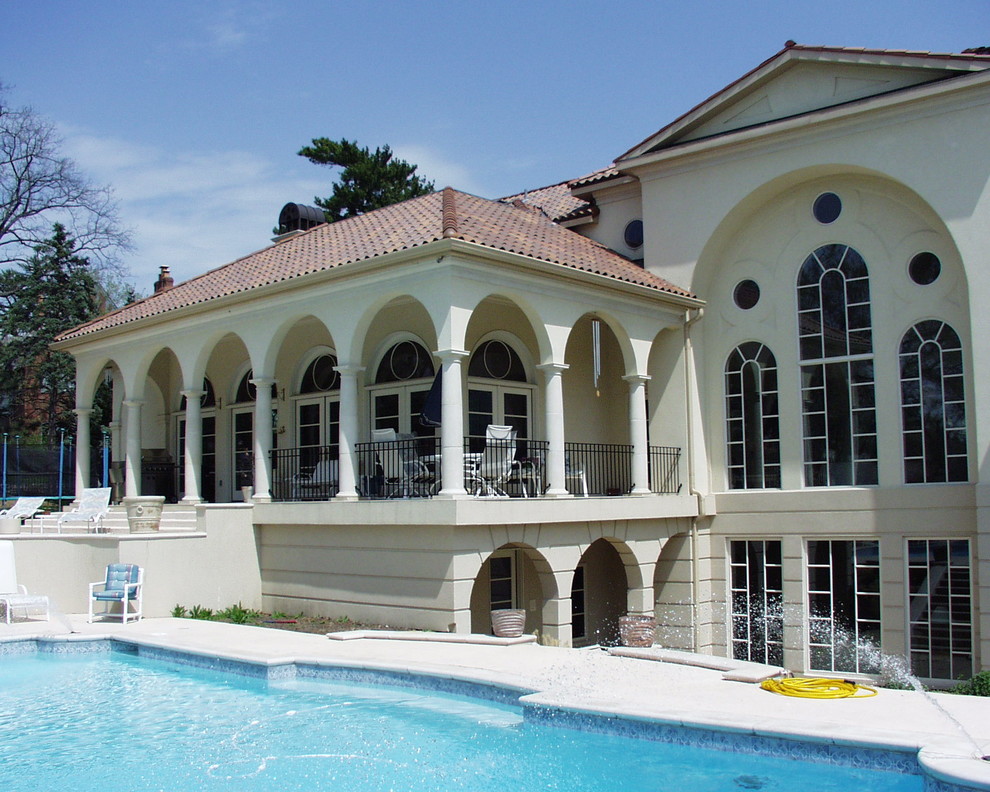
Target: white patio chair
(498,460)
(94,505)
(14,595)
(405,474)
(23,509)
(319,484)
(124,584)
(575,472)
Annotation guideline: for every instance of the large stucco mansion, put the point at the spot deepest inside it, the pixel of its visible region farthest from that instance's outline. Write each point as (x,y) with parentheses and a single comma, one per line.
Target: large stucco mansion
(740,379)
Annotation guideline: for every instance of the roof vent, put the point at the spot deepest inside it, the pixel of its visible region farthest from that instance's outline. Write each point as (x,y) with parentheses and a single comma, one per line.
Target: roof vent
(296,217)
(165,281)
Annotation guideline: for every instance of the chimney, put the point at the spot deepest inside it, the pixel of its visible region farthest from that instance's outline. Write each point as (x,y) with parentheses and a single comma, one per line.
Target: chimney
(164,282)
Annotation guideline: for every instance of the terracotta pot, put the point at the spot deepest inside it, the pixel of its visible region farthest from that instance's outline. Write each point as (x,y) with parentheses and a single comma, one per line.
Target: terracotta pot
(508,622)
(637,629)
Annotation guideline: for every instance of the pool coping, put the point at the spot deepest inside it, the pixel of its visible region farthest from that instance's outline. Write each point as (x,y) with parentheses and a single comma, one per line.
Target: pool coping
(943,765)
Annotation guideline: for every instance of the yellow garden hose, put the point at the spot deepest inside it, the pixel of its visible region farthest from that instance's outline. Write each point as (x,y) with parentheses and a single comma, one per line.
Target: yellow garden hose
(817,688)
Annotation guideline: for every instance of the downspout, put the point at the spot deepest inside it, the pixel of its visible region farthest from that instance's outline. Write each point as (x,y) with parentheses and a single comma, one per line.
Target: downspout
(689,321)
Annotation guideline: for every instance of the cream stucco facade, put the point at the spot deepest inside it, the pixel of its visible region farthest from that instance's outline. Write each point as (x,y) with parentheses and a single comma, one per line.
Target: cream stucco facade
(689,452)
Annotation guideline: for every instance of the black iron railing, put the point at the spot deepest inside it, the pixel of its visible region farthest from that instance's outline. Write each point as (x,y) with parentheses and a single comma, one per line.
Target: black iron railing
(664,468)
(407,467)
(410,467)
(304,474)
(494,467)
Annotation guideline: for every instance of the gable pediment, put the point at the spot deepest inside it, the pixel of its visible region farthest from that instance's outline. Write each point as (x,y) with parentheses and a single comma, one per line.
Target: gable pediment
(798,81)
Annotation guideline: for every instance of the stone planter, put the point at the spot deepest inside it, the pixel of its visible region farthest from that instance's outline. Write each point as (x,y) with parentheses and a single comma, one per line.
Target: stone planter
(508,622)
(10,525)
(636,629)
(144,512)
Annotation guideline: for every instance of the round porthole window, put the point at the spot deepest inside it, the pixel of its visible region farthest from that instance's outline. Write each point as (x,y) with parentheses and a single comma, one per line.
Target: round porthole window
(827,208)
(633,234)
(746,294)
(925,268)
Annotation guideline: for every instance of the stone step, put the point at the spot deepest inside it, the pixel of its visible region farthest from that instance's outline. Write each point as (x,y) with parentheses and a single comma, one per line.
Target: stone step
(175,517)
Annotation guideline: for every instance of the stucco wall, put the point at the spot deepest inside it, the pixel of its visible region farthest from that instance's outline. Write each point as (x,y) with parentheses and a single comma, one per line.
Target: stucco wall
(215,567)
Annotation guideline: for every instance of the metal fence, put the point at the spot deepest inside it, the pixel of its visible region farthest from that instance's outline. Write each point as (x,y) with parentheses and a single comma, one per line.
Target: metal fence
(43,470)
(409,467)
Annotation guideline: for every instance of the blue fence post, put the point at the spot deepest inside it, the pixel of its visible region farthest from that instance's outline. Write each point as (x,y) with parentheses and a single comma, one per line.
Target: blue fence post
(61,457)
(106,458)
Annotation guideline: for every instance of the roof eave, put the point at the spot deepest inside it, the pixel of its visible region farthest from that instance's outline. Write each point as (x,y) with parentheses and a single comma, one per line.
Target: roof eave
(356,269)
(785,59)
(849,110)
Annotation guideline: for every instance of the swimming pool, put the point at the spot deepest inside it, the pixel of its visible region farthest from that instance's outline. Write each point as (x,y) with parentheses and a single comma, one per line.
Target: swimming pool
(115,720)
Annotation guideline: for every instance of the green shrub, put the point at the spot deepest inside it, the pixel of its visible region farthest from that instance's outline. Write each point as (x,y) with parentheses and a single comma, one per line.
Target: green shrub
(238,614)
(179,612)
(979,685)
(199,612)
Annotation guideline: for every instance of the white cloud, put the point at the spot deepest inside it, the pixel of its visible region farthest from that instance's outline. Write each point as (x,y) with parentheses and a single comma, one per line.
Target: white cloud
(196,210)
(433,166)
(190,211)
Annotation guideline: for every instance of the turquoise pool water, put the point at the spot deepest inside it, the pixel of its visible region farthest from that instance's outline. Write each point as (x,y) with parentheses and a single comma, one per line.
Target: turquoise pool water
(113,721)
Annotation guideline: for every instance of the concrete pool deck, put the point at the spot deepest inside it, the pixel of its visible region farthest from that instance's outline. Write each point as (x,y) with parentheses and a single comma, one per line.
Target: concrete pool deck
(591,680)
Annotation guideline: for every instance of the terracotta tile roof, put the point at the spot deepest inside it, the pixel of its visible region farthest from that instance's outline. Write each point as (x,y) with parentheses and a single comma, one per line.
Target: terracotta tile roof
(447,214)
(599,176)
(555,201)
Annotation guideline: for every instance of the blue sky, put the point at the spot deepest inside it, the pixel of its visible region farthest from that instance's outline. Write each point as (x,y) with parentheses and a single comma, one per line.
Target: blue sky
(193,112)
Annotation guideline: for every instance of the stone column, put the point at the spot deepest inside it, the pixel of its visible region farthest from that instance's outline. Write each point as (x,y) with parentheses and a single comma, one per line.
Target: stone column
(554,420)
(347,457)
(192,460)
(638,434)
(452,423)
(132,457)
(82,449)
(263,438)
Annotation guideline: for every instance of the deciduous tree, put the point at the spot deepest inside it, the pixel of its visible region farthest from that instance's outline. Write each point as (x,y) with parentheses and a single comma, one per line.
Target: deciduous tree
(39,186)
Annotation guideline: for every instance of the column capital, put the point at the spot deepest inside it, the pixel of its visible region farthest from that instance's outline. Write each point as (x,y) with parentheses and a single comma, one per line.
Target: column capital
(192,393)
(132,402)
(637,379)
(262,382)
(553,368)
(451,354)
(348,370)
(81,411)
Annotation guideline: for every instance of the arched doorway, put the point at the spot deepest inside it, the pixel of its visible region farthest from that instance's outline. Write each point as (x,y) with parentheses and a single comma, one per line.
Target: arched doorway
(598,596)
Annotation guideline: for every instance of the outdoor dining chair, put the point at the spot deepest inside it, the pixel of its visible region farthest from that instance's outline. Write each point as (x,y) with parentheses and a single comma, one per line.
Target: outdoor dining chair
(123,584)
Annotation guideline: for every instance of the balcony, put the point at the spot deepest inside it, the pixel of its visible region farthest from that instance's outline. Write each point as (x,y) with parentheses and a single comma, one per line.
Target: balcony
(410,468)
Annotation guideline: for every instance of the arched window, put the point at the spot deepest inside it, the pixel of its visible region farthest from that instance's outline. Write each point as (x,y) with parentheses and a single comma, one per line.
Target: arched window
(402,383)
(498,391)
(835,338)
(933,410)
(321,375)
(752,426)
(318,412)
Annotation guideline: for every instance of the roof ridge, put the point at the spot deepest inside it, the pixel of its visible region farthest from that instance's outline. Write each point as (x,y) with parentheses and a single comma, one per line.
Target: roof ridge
(448,213)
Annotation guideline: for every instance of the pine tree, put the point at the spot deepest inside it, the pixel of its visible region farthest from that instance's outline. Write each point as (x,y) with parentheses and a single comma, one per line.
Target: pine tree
(367,180)
(53,291)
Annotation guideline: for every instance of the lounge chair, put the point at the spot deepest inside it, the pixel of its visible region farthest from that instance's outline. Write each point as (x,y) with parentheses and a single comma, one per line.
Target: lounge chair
(23,509)
(498,461)
(94,504)
(123,584)
(318,484)
(13,595)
